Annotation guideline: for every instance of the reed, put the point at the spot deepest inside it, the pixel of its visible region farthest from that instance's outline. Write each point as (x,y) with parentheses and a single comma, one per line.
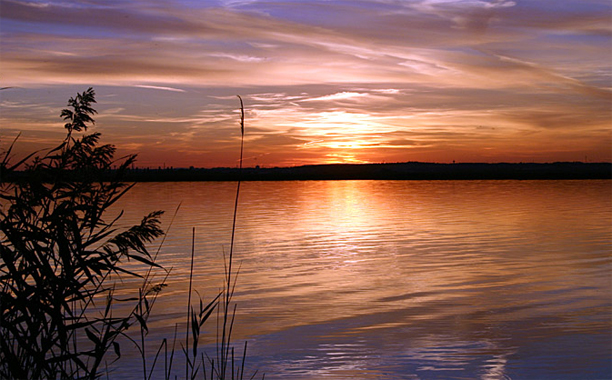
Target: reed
(59,253)
(60,257)
(223,364)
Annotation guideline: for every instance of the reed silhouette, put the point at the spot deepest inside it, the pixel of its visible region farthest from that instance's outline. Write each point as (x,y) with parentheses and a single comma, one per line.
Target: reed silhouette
(61,256)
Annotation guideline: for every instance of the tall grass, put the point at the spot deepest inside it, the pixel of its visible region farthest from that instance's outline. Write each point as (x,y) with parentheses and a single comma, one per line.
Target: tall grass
(226,363)
(59,252)
(60,258)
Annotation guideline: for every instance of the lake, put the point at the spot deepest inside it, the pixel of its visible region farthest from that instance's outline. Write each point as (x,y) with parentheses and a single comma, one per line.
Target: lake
(397,279)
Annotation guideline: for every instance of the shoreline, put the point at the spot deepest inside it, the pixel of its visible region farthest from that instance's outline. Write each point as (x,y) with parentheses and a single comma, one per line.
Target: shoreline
(332,172)
(396,171)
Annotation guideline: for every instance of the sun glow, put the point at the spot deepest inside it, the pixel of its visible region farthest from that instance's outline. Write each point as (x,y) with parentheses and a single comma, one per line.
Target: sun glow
(340,152)
(343,158)
(345,145)
(437,80)
(343,137)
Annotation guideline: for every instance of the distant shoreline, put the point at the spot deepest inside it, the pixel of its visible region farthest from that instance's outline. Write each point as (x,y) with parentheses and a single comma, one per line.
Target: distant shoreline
(395,171)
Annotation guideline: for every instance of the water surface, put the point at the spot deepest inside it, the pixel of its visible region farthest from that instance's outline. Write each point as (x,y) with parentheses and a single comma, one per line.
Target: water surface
(400,279)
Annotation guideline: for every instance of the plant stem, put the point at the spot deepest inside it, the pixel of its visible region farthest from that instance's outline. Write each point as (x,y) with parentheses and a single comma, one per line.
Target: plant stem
(229,271)
(189,304)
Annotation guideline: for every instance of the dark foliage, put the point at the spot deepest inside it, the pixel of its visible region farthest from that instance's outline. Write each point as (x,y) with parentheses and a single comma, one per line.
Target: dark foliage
(80,115)
(60,257)
(58,252)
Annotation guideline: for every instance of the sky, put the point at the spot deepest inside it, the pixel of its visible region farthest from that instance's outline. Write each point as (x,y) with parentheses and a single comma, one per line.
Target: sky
(342,81)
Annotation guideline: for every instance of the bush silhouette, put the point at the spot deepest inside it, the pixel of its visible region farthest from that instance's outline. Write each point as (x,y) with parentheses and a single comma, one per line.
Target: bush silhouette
(59,251)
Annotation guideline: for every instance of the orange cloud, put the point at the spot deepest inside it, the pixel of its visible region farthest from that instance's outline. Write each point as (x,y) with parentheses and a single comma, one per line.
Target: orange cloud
(356,81)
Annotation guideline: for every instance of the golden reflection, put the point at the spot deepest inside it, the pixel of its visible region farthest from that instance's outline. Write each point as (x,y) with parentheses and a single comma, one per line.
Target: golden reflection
(438,248)
(476,268)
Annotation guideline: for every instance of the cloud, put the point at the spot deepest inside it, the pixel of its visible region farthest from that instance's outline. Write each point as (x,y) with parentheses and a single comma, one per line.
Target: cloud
(344,95)
(159,88)
(215,46)
(315,75)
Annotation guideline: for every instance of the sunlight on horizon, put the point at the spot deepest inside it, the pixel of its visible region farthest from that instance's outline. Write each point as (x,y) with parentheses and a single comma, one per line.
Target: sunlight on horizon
(371,81)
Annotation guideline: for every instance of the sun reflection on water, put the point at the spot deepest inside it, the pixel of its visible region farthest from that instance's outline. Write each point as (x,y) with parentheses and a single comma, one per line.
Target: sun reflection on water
(403,279)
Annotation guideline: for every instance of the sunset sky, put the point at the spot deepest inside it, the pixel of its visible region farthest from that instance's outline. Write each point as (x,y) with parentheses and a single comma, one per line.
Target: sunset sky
(322,81)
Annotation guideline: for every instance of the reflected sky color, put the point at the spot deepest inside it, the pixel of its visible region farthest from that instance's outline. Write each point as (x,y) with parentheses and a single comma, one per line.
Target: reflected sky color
(323,81)
(400,279)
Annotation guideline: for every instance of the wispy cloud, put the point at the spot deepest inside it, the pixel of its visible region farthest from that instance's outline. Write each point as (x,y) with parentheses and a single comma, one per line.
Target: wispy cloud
(344,95)
(372,80)
(159,88)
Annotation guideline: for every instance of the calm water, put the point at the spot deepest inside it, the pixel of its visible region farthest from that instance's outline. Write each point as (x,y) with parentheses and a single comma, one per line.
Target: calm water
(400,279)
